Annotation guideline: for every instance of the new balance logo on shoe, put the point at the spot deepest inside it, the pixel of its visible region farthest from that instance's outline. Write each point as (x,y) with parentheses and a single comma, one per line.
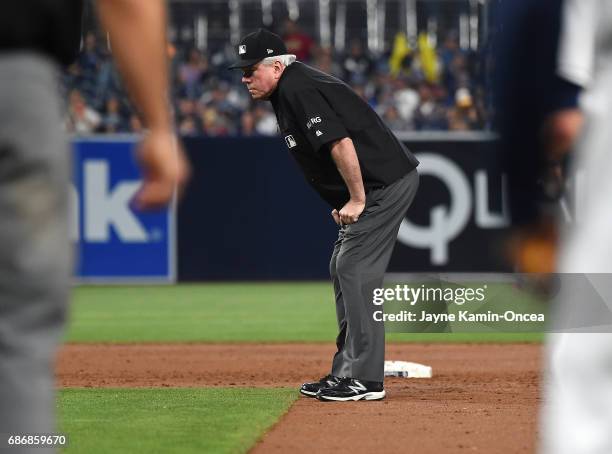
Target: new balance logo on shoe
(357,386)
(352,389)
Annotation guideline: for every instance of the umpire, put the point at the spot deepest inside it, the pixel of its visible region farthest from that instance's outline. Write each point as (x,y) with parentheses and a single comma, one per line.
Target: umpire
(361,169)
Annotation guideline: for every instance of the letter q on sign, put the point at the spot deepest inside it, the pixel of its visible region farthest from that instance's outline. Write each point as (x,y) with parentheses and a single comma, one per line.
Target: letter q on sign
(446,223)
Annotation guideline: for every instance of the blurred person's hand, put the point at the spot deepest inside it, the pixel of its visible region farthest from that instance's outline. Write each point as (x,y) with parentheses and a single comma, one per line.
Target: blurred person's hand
(532,249)
(138,28)
(560,131)
(165,169)
(559,134)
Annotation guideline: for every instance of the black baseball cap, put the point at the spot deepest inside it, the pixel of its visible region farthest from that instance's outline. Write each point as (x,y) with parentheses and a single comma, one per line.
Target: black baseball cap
(258,45)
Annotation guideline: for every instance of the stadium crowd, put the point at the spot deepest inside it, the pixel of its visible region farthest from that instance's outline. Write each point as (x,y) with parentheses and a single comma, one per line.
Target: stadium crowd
(415,87)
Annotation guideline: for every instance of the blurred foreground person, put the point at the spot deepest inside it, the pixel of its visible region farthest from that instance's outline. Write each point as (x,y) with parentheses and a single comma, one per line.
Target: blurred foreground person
(35,267)
(533,106)
(577,416)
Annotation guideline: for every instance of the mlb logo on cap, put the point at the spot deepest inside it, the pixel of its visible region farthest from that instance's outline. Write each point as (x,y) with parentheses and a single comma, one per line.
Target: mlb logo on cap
(258,45)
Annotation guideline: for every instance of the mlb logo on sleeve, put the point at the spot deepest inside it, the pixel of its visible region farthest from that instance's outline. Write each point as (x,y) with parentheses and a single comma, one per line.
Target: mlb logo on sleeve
(241,49)
(290,141)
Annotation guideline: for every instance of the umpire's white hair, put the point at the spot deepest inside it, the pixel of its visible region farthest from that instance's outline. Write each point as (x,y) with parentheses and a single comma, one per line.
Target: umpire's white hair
(286,59)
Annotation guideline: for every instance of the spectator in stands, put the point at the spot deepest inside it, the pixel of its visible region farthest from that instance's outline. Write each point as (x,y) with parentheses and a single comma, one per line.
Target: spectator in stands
(483,110)
(89,58)
(72,77)
(265,120)
(188,126)
(430,114)
(235,97)
(405,98)
(450,49)
(231,123)
(324,61)
(217,98)
(191,73)
(456,75)
(362,91)
(298,42)
(107,82)
(412,67)
(112,121)
(214,123)
(82,119)
(247,124)
(380,87)
(90,62)
(98,77)
(393,120)
(384,96)
(186,116)
(356,66)
(463,116)
(369,77)
(186,108)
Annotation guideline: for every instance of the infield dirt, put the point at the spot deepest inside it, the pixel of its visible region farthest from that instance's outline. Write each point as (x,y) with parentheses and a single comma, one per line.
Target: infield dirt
(482,397)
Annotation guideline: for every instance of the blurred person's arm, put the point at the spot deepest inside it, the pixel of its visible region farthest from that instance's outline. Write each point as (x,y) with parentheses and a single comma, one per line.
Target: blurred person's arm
(137,29)
(575,65)
(576,58)
(561,129)
(535,250)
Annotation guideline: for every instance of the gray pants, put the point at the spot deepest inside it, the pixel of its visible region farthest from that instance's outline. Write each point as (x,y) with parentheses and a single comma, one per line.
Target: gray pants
(34,248)
(358,264)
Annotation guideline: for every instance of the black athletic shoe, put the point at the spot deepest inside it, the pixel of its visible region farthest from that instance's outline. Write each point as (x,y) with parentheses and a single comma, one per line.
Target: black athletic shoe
(353,389)
(311,389)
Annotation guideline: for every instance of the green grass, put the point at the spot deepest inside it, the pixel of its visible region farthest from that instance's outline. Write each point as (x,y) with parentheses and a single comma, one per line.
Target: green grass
(213,420)
(216,420)
(225,312)
(234,312)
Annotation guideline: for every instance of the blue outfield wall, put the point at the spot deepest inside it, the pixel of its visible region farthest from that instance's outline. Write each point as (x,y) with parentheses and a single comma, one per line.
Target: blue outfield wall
(248,213)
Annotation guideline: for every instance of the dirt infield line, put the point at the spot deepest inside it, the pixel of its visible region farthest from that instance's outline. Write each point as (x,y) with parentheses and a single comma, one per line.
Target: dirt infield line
(482,398)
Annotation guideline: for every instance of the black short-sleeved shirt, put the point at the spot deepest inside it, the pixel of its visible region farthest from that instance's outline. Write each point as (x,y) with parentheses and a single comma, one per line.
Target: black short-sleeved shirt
(314,109)
(49,27)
